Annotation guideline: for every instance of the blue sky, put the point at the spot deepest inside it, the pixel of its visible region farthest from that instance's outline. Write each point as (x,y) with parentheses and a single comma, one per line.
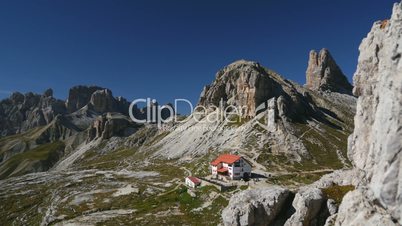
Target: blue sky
(171,49)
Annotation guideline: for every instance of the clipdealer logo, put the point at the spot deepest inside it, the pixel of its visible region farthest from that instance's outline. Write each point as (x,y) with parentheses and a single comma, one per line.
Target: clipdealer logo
(214,114)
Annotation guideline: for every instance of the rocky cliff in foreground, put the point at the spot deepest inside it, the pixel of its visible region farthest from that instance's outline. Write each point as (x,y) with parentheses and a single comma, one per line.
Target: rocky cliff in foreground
(375,147)
(371,193)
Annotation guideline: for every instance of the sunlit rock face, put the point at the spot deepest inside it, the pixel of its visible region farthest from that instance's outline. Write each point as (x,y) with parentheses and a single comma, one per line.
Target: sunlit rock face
(247,85)
(324,74)
(376,145)
(242,83)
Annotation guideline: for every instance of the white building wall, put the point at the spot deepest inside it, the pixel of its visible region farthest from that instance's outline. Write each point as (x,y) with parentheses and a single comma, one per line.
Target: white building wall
(214,170)
(189,183)
(247,167)
(238,171)
(234,172)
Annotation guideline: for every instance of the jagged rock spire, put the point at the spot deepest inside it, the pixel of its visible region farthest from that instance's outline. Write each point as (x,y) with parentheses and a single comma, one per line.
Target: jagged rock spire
(324,74)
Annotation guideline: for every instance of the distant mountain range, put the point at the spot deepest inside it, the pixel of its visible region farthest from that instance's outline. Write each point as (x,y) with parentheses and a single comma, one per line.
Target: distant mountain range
(92,112)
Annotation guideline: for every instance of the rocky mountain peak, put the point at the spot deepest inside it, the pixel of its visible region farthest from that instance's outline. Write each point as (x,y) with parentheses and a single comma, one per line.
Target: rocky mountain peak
(21,112)
(103,101)
(250,86)
(48,93)
(79,96)
(244,84)
(97,99)
(244,65)
(17,98)
(324,74)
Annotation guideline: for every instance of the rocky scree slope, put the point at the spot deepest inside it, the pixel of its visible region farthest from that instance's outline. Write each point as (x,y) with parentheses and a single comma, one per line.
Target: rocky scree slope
(279,120)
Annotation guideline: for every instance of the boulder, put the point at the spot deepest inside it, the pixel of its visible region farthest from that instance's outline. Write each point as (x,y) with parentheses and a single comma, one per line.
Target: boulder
(360,210)
(255,207)
(307,203)
(332,207)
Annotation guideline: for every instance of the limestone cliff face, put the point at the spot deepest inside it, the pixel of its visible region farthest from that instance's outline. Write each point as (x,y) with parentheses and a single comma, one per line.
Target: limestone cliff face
(103,101)
(247,84)
(79,96)
(21,112)
(97,99)
(242,83)
(324,74)
(376,144)
(110,125)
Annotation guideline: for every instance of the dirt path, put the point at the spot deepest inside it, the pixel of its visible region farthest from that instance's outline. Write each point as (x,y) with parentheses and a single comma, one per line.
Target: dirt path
(306,172)
(189,173)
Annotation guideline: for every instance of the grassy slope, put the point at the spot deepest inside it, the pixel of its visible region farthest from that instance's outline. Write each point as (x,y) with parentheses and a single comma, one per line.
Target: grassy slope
(336,192)
(40,158)
(6,143)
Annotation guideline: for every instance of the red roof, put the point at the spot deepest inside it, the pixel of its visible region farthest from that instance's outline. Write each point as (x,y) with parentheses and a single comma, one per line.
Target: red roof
(195,180)
(222,170)
(225,158)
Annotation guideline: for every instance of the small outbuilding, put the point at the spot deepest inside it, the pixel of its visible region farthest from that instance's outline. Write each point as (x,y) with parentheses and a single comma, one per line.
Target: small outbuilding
(192,182)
